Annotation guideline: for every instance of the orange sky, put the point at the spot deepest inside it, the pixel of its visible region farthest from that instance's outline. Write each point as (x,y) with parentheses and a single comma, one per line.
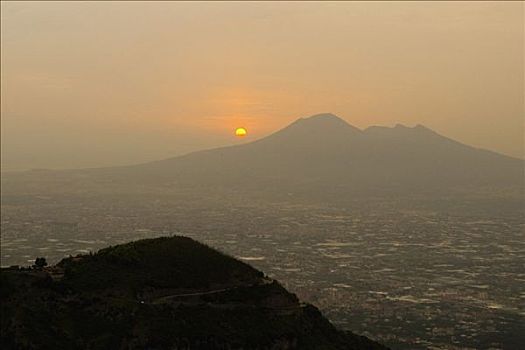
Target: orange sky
(94,83)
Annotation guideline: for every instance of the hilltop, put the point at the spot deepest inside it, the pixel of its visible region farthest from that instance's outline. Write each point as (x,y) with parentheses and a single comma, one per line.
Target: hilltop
(164,293)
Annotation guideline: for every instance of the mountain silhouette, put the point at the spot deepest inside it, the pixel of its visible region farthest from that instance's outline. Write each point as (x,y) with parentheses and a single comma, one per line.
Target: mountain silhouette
(322,154)
(325,152)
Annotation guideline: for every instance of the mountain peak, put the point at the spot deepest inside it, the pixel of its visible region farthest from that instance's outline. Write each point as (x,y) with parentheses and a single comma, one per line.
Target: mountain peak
(308,132)
(324,120)
(322,116)
(401,126)
(421,127)
(398,129)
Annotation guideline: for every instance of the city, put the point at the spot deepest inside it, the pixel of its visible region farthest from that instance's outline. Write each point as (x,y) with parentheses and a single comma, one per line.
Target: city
(412,279)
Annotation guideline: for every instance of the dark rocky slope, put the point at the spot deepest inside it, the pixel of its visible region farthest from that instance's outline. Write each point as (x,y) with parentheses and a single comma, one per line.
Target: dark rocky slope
(164,293)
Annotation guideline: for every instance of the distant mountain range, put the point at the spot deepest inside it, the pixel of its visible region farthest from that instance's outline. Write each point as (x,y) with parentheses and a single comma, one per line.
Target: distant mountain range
(325,154)
(163,293)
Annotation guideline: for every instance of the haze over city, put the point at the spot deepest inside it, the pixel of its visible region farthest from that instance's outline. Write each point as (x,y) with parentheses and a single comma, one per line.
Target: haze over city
(262,175)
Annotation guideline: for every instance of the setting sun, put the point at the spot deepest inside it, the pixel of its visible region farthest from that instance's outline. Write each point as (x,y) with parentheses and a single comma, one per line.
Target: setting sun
(240,132)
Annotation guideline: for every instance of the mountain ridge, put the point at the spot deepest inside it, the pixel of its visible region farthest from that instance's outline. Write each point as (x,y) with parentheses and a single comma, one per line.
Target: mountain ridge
(318,155)
(326,147)
(334,123)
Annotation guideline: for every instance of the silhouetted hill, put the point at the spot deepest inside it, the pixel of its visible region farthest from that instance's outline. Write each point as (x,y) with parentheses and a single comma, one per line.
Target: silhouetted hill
(165,293)
(325,152)
(322,154)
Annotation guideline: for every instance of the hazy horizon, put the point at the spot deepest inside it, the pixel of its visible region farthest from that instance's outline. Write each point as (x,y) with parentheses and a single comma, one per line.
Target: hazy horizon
(262,175)
(240,141)
(101,84)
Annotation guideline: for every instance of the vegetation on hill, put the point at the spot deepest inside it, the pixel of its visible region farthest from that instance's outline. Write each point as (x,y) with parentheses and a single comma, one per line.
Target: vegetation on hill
(165,293)
(168,262)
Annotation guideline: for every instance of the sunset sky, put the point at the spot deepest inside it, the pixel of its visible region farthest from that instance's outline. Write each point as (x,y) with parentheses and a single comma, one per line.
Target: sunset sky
(94,83)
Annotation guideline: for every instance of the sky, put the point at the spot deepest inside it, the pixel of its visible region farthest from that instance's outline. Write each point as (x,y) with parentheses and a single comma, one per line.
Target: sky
(88,84)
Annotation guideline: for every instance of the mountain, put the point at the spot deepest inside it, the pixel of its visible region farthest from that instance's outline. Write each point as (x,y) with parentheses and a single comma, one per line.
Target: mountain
(326,153)
(322,154)
(164,293)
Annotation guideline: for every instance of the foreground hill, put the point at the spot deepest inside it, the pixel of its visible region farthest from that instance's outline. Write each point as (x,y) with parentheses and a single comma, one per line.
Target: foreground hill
(164,293)
(318,156)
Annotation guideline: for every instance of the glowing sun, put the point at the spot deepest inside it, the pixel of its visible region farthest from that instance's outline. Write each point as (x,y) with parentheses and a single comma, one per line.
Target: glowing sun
(240,132)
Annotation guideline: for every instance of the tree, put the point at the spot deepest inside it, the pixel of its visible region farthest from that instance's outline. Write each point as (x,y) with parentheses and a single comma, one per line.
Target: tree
(40,263)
